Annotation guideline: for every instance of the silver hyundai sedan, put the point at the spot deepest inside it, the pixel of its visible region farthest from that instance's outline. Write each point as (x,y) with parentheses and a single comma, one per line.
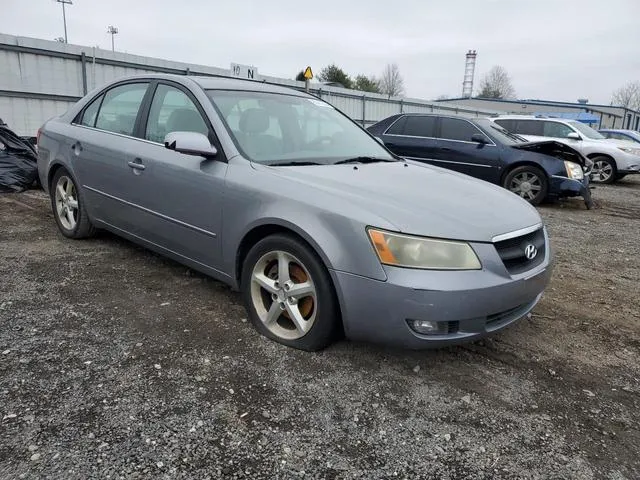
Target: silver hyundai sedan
(281,196)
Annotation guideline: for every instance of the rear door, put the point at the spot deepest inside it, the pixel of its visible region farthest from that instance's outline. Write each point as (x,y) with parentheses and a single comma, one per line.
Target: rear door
(102,142)
(458,152)
(180,195)
(413,137)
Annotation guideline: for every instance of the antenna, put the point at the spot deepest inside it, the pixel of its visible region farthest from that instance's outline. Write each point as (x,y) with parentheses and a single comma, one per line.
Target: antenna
(469,72)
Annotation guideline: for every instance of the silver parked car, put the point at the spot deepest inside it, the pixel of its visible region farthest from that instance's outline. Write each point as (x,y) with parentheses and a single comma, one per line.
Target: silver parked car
(281,196)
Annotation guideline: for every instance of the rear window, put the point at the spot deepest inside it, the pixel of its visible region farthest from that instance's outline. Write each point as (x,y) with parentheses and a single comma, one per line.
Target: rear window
(398,127)
(420,126)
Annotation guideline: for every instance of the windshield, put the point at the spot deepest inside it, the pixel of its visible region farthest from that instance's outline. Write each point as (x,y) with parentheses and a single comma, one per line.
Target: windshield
(277,129)
(586,130)
(499,134)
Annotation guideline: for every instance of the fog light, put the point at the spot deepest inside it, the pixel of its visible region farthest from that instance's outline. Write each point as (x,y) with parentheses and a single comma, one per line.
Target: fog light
(424,326)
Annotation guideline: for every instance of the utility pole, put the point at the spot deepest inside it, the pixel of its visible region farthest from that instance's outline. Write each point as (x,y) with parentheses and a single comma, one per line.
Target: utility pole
(112,30)
(64,16)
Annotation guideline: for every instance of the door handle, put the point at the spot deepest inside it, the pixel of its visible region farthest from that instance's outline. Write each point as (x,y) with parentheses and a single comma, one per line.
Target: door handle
(136,164)
(445,149)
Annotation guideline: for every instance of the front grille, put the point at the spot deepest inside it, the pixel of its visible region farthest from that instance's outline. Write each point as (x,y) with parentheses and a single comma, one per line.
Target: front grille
(512,252)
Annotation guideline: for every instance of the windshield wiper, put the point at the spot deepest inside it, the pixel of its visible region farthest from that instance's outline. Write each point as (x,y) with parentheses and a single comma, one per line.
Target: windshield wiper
(301,163)
(364,159)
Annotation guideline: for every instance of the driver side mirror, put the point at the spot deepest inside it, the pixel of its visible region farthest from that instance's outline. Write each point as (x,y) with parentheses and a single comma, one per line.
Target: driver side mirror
(574,136)
(479,138)
(190,143)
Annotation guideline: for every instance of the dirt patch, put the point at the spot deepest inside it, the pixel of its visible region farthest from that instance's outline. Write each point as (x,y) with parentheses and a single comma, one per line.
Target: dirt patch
(115,362)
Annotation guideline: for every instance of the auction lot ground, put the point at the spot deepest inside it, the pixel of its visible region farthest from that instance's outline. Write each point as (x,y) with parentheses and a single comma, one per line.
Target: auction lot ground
(117,363)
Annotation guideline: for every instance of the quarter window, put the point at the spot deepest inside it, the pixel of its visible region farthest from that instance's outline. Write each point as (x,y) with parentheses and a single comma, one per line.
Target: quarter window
(556,130)
(398,127)
(90,113)
(420,126)
(120,107)
(173,111)
(454,129)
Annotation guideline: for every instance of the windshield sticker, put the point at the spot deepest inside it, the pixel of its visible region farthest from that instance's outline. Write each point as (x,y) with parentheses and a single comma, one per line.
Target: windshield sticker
(319,103)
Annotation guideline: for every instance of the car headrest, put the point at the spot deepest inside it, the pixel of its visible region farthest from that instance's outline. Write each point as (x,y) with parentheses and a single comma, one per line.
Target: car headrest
(186,120)
(254,120)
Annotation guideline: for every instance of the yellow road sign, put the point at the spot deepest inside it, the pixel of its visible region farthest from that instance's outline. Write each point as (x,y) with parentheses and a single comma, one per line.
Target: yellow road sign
(308,74)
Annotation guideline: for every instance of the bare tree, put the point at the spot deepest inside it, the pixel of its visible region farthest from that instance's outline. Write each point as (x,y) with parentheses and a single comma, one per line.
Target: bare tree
(627,96)
(496,84)
(391,82)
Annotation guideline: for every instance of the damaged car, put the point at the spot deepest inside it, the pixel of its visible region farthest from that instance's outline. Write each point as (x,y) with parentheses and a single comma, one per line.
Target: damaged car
(18,161)
(536,171)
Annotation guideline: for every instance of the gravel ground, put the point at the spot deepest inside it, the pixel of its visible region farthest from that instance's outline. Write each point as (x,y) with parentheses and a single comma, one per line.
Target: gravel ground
(117,363)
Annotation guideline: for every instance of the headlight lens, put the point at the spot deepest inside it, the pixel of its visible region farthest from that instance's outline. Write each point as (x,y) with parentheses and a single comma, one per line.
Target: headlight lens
(574,170)
(418,252)
(632,151)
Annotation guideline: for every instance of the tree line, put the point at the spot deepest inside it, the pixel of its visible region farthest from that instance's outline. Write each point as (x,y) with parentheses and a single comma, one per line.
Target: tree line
(389,83)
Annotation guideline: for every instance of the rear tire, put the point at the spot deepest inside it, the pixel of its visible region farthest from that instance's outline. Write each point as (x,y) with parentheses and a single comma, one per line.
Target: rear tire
(528,182)
(68,206)
(288,293)
(604,170)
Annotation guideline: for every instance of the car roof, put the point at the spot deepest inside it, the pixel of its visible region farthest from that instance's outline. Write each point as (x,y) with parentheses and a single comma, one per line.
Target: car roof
(531,117)
(617,130)
(220,83)
(442,115)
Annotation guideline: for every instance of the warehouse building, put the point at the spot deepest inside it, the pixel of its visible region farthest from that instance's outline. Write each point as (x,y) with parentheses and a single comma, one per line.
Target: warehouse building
(597,116)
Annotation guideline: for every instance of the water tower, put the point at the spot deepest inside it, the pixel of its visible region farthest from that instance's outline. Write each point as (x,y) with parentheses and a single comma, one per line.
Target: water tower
(469,71)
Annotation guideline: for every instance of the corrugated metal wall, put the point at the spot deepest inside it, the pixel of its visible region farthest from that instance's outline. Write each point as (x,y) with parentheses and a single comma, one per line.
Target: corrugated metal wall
(40,79)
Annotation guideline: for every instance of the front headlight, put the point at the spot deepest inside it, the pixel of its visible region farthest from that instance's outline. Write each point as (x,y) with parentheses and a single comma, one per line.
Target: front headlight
(574,170)
(418,252)
(632,151)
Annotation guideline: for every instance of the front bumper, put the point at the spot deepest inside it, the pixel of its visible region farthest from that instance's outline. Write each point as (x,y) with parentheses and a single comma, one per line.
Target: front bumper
(567,187)
(471,303)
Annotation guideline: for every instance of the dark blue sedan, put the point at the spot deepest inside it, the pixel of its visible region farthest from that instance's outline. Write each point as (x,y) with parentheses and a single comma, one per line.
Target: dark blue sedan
(478,147)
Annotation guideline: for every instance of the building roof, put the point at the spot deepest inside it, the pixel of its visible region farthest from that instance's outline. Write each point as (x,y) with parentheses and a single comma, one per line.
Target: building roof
(589,106)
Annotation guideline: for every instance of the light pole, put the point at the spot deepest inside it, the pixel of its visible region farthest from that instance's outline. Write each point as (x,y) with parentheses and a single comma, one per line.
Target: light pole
(112,30)
(64,16)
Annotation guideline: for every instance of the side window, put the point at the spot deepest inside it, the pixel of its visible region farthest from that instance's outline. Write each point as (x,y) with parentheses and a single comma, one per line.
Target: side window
(172,111)
(529,127)
(120,107)
(556,130)
(420,126)
(508,124)
(398,127)
(455,129)
(91,112)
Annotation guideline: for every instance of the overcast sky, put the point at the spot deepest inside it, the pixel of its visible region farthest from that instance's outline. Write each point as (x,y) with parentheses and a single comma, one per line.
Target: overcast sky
(553,49)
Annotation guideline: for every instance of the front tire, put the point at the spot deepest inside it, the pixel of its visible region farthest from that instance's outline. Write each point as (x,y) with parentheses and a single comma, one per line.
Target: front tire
(288,293)
(68,206)
(528,182)
(604,170)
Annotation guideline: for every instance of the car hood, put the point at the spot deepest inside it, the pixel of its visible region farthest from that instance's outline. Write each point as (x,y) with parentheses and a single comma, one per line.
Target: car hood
(555,149)
(617,142)
(414,198)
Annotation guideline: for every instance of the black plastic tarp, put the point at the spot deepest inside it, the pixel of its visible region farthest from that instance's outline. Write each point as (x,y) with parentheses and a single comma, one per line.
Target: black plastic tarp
(18,162)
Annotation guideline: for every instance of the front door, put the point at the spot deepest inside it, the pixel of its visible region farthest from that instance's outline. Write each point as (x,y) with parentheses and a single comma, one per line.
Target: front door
(458,152)
(181,195)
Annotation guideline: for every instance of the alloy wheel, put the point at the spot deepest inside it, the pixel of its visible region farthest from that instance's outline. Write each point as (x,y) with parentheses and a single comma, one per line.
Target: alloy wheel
(526,184)
(66,201)
(283,295)
(602,171)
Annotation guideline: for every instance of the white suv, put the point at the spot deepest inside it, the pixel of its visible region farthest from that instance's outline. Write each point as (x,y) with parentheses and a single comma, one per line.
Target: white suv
(612,159)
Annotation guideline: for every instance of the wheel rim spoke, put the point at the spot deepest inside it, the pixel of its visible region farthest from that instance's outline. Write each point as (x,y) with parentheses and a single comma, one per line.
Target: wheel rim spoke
(272,315)
(283,268)
(73,203)
(60,191)
(301,290)
(296,317)
(70,218)
(265,282)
